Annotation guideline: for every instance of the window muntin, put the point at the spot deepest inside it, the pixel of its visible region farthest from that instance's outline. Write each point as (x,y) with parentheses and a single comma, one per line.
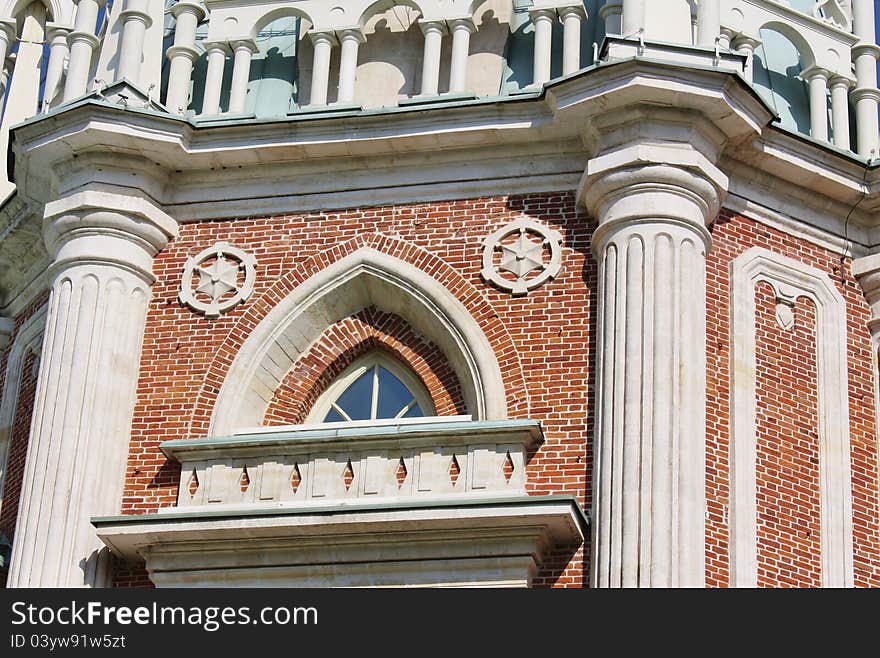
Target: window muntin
(374,388)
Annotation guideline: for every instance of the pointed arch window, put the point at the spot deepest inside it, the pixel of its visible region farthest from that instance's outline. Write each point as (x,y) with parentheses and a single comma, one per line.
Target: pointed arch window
(375,387)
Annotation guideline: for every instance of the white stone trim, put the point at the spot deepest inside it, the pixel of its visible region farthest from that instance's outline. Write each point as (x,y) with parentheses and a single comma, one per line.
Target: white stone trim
(366,277)
(790,278)
(29,339)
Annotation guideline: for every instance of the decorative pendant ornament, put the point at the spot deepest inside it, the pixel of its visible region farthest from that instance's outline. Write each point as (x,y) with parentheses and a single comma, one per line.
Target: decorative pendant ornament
(217,279)
(523,245)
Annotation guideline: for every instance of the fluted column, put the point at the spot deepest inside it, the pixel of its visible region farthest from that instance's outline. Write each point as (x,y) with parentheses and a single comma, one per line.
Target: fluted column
(571,37)
(102,245)
(543,21)
(866,95)
(746,45)
(840,87)
(182,54)
(56,37)
(217,52)
(135,21)
(433,31)
(462,29)
(817,79)
(611,13)
(82,42)
(350,41)
(244,50)
(323,43)
(649,474)
(708,22)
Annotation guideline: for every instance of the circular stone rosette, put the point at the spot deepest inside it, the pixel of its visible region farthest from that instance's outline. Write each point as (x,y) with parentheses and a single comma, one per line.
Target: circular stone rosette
(530,255)
(218,279)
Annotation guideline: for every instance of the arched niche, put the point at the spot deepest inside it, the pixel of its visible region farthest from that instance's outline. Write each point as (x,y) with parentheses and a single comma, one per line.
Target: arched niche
(778,63)
(364,278)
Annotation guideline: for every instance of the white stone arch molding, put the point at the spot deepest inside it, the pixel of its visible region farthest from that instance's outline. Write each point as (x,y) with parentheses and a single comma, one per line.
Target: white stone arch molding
(790,279)
(364,278)
(28,339)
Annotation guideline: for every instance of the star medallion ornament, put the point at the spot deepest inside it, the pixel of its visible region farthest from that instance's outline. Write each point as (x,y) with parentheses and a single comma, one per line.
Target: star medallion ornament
(218,289)
(521,257)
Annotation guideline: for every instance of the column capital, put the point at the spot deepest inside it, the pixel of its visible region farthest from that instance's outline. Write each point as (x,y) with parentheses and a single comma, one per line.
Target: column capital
(190,52)
(861,93)
(136,15)
(56,32)
(7,29)
(611,7)
(328,36)
(106,227)
(197,9)
(649,184)
(744,41)
(82,37)
(838,80)
(462,23)
(569,10)
(432,25)
(214,46)
(539,13)
(349,33)
(100,3)
(816,72)
(245,43)
(871,49)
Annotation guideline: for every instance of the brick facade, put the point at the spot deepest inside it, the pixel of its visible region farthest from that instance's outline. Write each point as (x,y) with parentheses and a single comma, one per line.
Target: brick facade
(544,344)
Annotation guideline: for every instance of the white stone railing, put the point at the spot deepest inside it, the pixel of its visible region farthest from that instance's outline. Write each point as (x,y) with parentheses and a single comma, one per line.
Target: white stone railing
(422,458)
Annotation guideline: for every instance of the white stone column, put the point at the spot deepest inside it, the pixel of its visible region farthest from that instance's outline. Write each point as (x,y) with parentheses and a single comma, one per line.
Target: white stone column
(217,52)
(56,37)
(611,13)
(135,21)
(746,45)
(866,96)
(571,37)
(102,245)
(82,42)
(323,43)
(840,87)
(708,22)
(817,78)
(462,29)
(433,31)
(183,54)
(633,17)
(244,50)
(350,41)
(725,37)
(543,20)
(649,473)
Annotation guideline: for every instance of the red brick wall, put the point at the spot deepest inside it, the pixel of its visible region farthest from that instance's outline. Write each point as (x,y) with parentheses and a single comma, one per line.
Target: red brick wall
(787,441)
(543,343)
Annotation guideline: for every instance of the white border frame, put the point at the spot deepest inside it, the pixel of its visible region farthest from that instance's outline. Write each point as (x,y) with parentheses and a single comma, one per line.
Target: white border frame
(790,279)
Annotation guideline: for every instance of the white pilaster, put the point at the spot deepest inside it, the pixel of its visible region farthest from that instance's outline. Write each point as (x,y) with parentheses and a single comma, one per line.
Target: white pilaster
(56,37)
(708,22)
(183,54)
(543,21)
(433,31)
(840,87)
(817,78)
(217,52)
(323,43)
(350,41)
(461,28)
(102,246)
(135,21)
(244,50)
(649,477)
(571,37)
(82,42)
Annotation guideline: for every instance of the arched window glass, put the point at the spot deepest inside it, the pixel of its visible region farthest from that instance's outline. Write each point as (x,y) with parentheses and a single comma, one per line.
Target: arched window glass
(374,388)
